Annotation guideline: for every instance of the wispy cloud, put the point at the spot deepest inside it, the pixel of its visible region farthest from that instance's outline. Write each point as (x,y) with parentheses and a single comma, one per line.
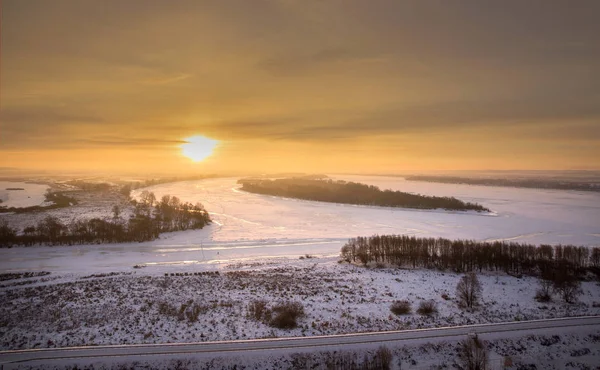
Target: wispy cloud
(167,80)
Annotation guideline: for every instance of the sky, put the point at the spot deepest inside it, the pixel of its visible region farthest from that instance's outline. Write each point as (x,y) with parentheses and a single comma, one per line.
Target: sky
(378,86)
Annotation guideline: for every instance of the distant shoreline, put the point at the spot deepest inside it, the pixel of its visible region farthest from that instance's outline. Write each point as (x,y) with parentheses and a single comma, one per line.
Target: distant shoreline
(514,183)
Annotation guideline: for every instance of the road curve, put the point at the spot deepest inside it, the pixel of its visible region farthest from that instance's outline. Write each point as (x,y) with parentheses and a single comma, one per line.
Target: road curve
(71,353)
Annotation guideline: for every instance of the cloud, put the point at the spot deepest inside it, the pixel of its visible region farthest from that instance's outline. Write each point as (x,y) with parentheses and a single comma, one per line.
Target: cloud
(583,114)
(41,126)
(145,74)
(41,115)
(115,141)
(329,58)
(167,80)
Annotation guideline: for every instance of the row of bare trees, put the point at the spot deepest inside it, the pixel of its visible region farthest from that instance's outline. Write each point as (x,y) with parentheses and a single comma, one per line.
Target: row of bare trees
(470,255)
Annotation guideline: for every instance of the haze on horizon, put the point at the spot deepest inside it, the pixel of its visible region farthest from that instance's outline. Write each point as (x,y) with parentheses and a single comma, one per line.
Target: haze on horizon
(314,86)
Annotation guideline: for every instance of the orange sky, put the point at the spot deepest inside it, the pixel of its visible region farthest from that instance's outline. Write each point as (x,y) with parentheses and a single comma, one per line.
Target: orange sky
(310,86)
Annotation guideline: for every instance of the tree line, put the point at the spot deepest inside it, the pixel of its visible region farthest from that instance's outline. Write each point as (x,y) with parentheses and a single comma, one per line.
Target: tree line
(150,218)
(469,255)
(518,183)
(127,186)
(352,193)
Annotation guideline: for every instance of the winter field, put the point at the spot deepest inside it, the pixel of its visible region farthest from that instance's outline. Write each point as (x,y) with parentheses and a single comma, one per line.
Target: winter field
(94,295)
(145,306)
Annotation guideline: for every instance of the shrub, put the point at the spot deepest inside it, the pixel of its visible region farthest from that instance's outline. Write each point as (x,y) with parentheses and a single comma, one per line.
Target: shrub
(286,315)
(346,360)
(427,308)
(165,308)
(192,312)
(258,310)
(569,291)
(540,296)
(382,359)
(544,293)
(401,307)
(189,310)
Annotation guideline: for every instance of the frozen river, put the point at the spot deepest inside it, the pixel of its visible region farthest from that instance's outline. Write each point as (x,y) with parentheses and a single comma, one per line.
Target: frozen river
(251,226)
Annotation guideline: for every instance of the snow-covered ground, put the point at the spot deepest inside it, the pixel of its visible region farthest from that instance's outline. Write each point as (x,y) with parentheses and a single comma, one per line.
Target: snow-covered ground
(133,307)
(571,349)
(31,195)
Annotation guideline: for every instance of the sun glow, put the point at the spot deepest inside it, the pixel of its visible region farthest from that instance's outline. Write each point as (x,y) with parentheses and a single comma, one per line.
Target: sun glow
(198,148)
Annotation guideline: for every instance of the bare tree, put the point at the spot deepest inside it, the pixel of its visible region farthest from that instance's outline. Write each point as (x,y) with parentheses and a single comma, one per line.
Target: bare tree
(569,290)
(566,284)
(382,359)
(468,291)
(116,211)
(474,354)
(544,293)
(147,200)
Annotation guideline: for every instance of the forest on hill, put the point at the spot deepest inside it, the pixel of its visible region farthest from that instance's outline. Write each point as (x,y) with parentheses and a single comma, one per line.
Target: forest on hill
(353,193)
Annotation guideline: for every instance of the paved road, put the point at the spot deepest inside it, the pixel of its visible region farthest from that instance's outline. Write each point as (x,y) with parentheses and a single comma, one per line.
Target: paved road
(130,351)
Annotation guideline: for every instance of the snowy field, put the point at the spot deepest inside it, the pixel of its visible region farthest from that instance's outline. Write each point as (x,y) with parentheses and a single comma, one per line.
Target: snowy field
(146,306)
(251,226)
(31,195)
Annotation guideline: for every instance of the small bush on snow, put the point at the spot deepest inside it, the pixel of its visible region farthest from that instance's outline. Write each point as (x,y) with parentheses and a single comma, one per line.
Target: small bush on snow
(189,310)
(427,308)
(401,308)
(286,315)
(258,310)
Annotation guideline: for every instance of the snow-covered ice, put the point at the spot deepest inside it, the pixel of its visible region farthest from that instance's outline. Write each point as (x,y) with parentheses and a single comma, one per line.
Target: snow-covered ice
(251,226)
(31,195)
(527,215)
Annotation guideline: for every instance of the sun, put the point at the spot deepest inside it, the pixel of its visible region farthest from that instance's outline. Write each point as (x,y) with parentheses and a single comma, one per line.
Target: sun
(198,148)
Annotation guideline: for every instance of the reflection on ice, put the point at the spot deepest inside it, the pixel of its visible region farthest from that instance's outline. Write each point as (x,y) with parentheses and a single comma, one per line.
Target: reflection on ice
(216,247)
(172,263)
